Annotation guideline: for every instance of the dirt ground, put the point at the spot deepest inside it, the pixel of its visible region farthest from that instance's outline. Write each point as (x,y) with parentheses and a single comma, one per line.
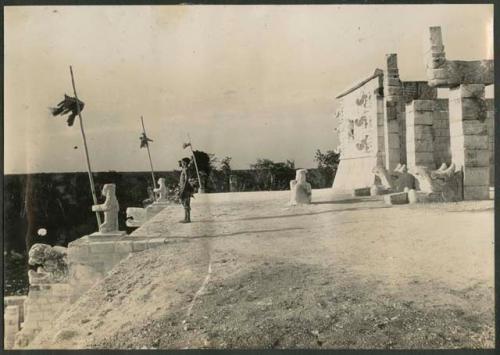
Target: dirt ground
(253,272)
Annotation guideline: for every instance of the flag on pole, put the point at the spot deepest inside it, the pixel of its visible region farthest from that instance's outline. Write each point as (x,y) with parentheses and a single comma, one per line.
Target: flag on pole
(185,145)
(68,105)
(144,140)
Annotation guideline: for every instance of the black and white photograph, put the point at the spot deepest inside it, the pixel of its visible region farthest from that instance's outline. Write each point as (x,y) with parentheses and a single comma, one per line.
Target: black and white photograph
(230,176)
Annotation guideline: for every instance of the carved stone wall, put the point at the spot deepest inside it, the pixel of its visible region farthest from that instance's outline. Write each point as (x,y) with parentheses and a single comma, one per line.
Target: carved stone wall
(361,134)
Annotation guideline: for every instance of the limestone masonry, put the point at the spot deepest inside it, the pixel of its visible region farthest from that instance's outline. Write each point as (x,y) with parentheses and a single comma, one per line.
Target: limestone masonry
(385,123)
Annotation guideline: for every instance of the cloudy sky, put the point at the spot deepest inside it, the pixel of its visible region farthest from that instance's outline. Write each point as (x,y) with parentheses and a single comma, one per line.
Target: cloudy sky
(245,81)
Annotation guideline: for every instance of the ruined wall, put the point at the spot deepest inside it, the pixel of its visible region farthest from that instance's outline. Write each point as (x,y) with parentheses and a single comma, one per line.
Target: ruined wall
(13,318)
(361,132)
(44,304)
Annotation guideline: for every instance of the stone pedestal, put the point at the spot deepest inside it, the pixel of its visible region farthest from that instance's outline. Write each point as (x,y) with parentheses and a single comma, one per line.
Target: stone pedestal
(469,140)
(90,259)
(107,235)
(419,134)
(397,198)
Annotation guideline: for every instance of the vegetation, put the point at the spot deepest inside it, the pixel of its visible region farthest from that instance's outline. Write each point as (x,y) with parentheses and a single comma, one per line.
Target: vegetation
(273,176)
(327,165)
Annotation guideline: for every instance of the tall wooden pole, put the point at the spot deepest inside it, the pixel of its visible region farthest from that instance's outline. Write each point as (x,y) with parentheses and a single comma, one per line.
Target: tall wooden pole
(195,164)
(149,154)
(89,169)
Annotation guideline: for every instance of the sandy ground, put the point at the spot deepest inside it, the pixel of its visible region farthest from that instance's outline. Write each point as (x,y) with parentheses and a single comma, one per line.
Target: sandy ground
(253,272)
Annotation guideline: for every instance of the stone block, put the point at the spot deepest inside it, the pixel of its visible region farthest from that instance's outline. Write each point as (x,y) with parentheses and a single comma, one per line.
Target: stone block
(139,245)
(476,176)
(441,105)
(476,193)
(436,122)
(393,141)
(476,142)
(391,112)
(391,91)
(123,247)
(474,128)
(422,132)
(412,196)
(423,118)
(98,247)
(398,198)
(78,253)
(391,60)
(473,109)
(467,91)
(423,105)
(424,158)
(154,243)
(364,191)
(423,145)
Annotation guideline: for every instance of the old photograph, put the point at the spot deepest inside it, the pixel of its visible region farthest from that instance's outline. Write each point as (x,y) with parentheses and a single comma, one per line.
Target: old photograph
(249,177)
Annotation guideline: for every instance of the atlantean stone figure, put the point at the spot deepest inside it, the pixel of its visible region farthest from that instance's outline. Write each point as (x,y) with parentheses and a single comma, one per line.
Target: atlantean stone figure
(300,189)
(161,191)
(110,208)
(51,262)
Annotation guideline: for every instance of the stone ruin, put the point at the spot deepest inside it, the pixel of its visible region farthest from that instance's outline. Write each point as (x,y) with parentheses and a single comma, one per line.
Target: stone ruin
(399,136)
(48,295)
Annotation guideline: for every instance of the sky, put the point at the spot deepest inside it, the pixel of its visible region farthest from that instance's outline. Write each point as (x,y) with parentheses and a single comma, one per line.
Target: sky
(247,82)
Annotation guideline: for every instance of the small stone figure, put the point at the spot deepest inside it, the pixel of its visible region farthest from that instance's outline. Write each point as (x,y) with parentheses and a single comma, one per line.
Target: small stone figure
(185,189)
(161,191)
(300,189)
(52,263)
(110,208)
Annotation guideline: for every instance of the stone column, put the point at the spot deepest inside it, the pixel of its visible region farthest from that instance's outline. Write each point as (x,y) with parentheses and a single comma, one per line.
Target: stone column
(419,134)
(435,58)
(469,139)
(392,110)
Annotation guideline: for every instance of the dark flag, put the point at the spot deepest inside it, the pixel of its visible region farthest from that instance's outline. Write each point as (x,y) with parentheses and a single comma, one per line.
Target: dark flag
(144,140)
(68,105)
